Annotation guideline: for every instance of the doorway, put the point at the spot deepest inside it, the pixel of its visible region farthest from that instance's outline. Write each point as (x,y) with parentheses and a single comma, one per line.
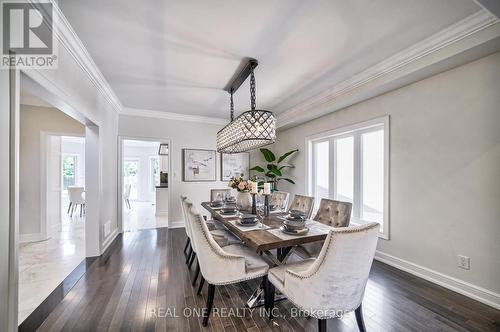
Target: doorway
(144,168)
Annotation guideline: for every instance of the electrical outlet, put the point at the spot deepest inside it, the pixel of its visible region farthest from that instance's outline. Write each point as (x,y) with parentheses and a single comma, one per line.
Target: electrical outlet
(463,262)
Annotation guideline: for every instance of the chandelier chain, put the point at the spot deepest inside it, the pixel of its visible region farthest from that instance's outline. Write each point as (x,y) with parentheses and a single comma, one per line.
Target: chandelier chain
(252,90)
(231,106)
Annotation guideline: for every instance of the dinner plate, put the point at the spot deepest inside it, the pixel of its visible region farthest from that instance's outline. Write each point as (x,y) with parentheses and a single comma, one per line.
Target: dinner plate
(301,232)
(247,224)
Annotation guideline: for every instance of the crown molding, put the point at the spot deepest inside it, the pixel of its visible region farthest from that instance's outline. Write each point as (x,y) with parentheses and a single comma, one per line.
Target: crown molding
(332,98)
(68,38)
(172,116)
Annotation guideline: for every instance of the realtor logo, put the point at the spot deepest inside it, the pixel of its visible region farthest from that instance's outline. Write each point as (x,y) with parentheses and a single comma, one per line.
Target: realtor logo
(27,35)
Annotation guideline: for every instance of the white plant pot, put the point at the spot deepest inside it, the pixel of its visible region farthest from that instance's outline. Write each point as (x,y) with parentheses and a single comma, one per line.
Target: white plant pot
(244,201)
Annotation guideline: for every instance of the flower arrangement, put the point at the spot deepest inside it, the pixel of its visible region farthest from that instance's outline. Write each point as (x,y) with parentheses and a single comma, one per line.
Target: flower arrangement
(238,183)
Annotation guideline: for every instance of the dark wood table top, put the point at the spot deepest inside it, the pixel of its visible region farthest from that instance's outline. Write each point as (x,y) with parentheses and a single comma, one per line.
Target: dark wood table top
(262,240)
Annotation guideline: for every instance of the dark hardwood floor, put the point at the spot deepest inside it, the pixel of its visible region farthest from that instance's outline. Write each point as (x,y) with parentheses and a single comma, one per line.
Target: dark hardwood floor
(142,284)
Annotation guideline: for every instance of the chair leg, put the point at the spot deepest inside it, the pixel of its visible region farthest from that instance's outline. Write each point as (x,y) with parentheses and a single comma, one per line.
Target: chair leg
(190,252)
(69,207)
(210,302)
(359,319)
(200,287)
(81,210)
(322,325)
(193,256)
(196,273)
(269,292)
(186,246)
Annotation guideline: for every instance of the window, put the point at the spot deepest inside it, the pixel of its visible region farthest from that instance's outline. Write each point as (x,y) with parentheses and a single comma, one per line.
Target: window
(69,163)
(154,172)
(351,165)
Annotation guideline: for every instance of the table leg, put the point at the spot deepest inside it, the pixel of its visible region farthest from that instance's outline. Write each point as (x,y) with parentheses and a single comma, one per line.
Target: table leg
(257,298)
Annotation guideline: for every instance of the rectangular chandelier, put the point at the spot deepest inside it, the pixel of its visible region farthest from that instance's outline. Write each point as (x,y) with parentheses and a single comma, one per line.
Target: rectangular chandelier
(251,130)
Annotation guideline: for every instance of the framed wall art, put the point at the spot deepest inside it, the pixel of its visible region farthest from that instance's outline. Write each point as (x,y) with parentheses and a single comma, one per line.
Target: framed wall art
(234,165)
(198,165)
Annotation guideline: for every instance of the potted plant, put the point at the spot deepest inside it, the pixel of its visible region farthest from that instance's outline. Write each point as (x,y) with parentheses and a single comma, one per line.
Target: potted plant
(274,171)
(243,187)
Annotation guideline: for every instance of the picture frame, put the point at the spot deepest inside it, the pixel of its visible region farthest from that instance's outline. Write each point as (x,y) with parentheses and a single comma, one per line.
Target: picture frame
(234,164)
(199,165)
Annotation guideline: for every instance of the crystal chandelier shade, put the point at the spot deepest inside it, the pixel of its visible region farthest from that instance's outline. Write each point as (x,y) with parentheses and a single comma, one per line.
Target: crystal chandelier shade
(252,129)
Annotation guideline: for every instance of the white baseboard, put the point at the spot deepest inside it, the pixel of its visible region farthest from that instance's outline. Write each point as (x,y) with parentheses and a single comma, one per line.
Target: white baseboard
(176,224)
(475,292)
(109,240)
(30,237)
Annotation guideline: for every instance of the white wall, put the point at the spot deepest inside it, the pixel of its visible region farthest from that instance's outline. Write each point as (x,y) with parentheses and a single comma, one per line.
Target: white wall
(142,154)
(444,172)
(75,89)
(183,134)
(34,120)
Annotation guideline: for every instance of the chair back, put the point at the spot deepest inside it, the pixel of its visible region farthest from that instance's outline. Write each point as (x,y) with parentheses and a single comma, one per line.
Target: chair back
(216,265)
(126,191)
(218,194)
(302,203)
(337,279)
(334,213)
(75,195)
(280,198)
(185,216)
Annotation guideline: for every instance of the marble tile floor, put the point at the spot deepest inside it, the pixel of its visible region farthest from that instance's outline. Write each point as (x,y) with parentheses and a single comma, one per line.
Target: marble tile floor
(43,265)
(142,216)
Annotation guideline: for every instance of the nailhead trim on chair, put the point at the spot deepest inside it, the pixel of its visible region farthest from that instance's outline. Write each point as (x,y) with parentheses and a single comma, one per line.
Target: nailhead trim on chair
(355,229)
(221,254)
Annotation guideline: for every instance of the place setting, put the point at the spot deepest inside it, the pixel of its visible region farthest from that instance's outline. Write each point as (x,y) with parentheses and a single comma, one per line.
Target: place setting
(294,223)
(249,222)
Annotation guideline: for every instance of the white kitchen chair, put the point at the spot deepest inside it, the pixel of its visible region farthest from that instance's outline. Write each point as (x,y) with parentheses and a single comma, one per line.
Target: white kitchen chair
(126,195)
(333,283)
(76,198)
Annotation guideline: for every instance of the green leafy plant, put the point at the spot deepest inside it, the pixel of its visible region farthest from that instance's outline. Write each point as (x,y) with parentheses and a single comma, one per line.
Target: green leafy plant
(274,171)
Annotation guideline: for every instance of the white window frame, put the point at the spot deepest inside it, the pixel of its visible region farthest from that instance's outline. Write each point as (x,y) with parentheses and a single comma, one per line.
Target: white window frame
(359,128)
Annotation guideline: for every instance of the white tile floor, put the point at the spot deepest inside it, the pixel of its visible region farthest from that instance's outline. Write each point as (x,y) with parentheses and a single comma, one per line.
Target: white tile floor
(44,265)
(142,216)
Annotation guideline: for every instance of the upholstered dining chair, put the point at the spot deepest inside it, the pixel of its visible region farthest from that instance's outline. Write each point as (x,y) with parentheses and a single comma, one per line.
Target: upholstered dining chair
(333,283)
(222,237)
(280,198)
(332,213)
(218,193)
(222,265)
(302,203)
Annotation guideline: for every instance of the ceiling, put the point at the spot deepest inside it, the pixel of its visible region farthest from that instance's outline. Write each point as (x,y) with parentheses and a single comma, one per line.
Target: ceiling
(177,56)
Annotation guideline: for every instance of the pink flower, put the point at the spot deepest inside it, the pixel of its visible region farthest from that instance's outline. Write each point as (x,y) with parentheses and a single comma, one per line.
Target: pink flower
(241,186)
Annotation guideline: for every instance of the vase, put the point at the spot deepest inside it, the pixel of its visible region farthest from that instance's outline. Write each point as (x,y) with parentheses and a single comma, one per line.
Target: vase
(244,201)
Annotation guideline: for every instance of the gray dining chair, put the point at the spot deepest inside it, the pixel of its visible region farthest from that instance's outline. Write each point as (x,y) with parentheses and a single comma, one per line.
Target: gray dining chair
(332,213)
(280,199)
(219,193)
(332,284)
(302,203)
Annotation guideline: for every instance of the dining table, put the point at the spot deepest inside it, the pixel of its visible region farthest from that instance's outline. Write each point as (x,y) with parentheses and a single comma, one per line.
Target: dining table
(267,238)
